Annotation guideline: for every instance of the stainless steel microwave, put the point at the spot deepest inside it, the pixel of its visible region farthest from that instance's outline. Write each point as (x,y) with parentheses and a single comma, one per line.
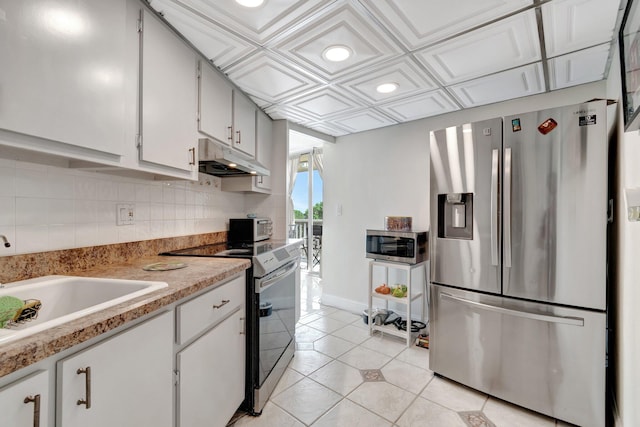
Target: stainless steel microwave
(248,230)
(408,247)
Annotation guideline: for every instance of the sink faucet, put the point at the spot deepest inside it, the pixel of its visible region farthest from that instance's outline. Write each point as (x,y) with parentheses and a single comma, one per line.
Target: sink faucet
(6,242)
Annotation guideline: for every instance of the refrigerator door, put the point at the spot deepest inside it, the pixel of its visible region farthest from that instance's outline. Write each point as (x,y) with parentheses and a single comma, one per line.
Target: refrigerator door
(465,205)
(546,358)
(555,205)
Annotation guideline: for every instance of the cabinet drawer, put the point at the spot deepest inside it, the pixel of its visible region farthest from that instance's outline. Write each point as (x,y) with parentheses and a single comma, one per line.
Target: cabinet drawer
(201,312)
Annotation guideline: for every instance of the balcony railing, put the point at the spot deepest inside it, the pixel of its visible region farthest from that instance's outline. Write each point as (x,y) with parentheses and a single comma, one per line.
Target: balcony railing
(299,228)
(299,231)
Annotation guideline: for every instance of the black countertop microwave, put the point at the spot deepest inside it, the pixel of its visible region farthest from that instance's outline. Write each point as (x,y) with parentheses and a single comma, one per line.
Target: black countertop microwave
(408,247)
(249,230)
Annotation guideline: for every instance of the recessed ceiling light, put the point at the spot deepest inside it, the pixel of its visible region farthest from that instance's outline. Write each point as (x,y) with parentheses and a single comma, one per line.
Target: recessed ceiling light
(250,3)
(336,53)
(387,87)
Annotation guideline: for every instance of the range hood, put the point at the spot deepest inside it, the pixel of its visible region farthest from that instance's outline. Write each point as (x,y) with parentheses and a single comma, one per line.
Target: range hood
(219,160)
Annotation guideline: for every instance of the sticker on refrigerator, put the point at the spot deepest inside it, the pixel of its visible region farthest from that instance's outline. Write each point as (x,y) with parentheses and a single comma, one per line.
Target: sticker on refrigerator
(587,120)
(547,126)
(515,125)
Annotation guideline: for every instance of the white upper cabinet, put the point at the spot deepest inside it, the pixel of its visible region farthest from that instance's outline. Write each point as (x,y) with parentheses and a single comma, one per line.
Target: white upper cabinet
(169,98)
(264,148)
(62,77)
(215,97)
(264,151)
(244,120)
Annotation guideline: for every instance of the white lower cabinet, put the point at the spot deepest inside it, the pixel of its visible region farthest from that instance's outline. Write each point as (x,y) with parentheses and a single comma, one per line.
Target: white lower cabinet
(126,380)
(25,403)
(211,370)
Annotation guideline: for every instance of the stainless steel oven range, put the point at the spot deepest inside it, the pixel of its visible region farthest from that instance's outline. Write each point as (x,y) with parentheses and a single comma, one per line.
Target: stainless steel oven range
(272,281)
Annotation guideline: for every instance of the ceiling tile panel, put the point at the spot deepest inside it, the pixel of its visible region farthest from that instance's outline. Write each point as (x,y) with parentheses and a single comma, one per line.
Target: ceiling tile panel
(420,106)
(340,26)
(362,120)
(519,82)
(216,44)
(570,25)
(278,112)
(404,72)
(580,67)
(325,102)
(507,43)
(269,78)
(260,102)
(328,128)
(443,55)
(257,24)
(419,23)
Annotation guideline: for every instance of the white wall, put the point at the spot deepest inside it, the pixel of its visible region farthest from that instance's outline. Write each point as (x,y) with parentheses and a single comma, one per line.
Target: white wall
(372,175)
(628,302)
(626,352)
(386,172)
(46,208)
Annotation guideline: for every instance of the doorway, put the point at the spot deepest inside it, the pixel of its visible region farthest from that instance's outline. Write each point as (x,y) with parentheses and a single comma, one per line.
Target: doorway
(306,198)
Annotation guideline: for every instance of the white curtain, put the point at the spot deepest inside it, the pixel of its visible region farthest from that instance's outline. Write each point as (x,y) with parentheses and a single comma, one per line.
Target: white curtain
(317,160)
(293,174)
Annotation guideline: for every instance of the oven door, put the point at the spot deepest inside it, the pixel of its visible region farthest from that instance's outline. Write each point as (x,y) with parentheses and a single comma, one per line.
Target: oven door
(276,299)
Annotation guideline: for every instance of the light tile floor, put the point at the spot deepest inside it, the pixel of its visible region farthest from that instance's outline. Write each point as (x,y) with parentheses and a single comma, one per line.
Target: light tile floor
(342,377)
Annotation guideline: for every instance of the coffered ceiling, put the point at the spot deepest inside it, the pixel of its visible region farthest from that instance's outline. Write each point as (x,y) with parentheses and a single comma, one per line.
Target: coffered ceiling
(442,55)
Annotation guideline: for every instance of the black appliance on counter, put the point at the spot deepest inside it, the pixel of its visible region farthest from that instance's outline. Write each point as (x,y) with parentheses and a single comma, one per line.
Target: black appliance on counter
(272,282)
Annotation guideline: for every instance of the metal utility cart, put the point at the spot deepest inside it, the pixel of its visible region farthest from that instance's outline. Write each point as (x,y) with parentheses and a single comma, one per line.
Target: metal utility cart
(413,293)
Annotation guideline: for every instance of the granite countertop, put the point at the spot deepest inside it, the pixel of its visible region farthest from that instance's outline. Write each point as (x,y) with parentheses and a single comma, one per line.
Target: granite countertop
(199,274)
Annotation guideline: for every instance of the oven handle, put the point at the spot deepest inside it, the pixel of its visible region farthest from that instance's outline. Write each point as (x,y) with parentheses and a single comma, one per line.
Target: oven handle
(284,271)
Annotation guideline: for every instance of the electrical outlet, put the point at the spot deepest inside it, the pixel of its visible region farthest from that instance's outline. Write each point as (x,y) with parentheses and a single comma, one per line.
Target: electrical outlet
(125,214)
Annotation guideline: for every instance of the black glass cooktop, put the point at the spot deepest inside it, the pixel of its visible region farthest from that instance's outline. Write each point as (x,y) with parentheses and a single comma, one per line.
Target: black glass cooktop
(229,250)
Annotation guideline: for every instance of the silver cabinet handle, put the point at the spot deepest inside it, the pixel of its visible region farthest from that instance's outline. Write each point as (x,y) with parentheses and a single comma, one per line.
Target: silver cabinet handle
(230,137)
(575,321)
(224,302)
(36,408)
(87,386)
(495,238)
(239,141)
(192,150)
(507,207)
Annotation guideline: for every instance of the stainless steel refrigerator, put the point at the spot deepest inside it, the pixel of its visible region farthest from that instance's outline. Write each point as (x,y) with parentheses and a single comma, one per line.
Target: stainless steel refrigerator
(519,214)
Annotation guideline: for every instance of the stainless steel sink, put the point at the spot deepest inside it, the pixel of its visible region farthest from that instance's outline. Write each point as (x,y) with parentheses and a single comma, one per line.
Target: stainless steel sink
(66,298)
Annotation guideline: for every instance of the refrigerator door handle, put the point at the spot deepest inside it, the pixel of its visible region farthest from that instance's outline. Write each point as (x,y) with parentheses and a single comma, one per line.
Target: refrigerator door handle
(507,207)
(575,321)
(495,170)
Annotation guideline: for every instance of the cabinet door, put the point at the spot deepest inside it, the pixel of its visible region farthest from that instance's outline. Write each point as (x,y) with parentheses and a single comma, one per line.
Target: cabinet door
(24,400)
(215,105)
(131,379)
(264,147)
(212,374)
(63,73)
(168,85)
(244,120)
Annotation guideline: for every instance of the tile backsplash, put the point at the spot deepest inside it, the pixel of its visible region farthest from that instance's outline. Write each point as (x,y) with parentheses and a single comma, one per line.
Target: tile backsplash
(45,208)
